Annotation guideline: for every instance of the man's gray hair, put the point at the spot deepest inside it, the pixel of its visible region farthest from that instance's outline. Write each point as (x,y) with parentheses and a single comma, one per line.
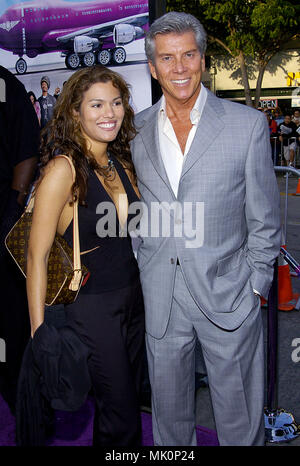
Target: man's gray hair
(178,23)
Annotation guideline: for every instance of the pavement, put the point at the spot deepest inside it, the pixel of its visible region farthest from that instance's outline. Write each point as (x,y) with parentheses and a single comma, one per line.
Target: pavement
(288,371)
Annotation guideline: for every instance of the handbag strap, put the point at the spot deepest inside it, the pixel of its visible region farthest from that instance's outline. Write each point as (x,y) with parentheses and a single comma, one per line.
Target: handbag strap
(76,280)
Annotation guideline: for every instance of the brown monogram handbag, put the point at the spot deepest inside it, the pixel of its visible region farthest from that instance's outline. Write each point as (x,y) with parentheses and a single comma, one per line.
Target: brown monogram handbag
(65,273)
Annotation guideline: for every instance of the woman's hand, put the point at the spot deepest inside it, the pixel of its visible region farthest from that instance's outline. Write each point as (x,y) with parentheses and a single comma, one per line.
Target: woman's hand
(34,328)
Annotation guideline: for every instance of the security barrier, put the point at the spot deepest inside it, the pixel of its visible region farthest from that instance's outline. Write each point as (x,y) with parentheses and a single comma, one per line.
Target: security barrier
(278,151)
(288,171)
(280,426)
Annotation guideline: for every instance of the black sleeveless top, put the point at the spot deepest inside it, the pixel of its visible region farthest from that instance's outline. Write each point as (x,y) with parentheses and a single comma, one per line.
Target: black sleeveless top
(112,265)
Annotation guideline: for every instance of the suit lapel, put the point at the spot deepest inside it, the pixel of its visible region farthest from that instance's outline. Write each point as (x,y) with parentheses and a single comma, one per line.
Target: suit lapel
(209,128)
(150,138)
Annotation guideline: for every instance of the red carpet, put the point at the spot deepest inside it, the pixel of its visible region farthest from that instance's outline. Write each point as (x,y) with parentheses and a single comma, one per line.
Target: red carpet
(75,429)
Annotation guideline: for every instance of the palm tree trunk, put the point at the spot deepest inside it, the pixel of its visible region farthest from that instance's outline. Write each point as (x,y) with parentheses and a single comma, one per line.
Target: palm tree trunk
(245,79)
(261,72)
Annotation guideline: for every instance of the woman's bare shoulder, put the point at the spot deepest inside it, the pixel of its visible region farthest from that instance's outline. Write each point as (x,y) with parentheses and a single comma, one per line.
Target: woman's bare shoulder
(58,166)
(56,178)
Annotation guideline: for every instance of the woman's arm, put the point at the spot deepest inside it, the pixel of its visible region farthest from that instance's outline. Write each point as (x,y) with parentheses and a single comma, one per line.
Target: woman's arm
(53,194)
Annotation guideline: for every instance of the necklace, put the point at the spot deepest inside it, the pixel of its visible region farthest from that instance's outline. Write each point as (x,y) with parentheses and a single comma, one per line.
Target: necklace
(108,171)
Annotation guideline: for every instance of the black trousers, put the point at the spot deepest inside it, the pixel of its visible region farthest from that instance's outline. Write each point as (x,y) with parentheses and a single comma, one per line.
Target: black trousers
(14,326)
(111,324)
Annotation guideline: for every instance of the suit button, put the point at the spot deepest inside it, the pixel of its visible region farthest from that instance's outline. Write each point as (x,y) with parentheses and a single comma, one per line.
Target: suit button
(172,261)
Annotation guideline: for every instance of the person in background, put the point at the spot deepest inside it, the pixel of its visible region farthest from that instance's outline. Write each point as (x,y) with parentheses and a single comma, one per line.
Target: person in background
(287,134)
(272,123)
(275,144)
(278,116)
(93,125)
(47,101)
(206,163)
(296,117)
(19,149)
(56,92)
(35,104)
(296,120)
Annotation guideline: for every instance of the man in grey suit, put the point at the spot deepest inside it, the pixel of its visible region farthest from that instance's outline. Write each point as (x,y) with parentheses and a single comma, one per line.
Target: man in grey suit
(205,164)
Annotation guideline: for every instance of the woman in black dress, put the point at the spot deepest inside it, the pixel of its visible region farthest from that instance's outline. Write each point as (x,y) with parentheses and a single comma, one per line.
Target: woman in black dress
(93,125)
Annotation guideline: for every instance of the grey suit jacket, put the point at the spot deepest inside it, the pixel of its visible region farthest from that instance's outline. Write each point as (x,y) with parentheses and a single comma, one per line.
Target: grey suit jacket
(228,179)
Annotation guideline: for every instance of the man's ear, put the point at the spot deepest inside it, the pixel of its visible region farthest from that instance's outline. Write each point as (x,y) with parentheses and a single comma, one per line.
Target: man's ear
(152,69)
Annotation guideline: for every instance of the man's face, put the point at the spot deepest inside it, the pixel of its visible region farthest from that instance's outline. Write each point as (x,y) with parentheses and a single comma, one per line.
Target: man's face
(178,66)
(297,114)
(287,119)
(44,86)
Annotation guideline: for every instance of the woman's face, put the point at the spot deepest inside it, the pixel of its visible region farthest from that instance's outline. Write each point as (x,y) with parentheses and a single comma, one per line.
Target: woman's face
(32,99)
(101,114)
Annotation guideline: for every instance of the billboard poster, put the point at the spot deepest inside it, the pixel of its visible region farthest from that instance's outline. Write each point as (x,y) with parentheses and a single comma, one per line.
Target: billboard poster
(57,37)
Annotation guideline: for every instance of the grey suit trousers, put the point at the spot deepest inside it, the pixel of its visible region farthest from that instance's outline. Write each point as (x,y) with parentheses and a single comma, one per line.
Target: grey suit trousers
(235,366)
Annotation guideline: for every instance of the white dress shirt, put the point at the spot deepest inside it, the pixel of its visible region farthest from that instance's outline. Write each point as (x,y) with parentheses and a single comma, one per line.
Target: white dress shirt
(170,150)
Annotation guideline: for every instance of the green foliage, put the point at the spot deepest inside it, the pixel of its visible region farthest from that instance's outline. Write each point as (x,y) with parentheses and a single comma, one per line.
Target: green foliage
(251,26)
(250,31)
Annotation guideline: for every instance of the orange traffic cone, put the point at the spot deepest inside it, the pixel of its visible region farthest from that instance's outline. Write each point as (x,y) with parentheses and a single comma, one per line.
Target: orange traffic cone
(297,193)
(286,298)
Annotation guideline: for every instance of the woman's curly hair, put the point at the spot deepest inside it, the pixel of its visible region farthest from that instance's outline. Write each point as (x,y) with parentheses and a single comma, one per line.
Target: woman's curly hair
(63,134)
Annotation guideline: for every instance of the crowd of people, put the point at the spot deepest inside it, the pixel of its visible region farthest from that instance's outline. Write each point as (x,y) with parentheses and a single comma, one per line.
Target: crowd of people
(199,288)
(284,133)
